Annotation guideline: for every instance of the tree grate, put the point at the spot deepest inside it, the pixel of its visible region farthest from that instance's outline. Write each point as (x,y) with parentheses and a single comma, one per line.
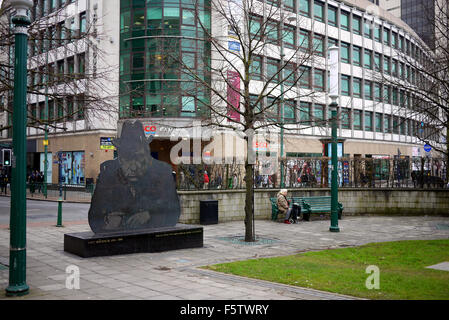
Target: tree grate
(442,226)
(241,240)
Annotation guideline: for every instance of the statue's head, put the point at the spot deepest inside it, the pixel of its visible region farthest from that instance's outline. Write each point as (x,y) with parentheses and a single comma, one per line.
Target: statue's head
(133,150)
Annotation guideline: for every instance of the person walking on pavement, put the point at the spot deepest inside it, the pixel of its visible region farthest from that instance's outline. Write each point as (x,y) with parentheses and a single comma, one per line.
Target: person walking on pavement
(3,182)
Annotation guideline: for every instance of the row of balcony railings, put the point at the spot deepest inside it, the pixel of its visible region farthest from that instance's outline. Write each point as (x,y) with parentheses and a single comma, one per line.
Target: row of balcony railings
(379,172)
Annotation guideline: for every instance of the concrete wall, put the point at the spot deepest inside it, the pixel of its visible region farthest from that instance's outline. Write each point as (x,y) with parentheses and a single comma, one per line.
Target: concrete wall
(231,203)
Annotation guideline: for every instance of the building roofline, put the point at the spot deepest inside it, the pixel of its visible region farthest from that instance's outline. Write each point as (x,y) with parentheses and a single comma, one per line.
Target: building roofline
(384,14)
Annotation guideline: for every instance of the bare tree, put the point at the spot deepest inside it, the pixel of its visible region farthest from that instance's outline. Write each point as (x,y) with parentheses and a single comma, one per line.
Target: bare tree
(257,75)
(420,83)
(65,66)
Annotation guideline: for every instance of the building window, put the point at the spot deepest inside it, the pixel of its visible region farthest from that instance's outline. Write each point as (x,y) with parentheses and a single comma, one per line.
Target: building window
(81,65)
(304,112)
(401,43)
(345,85)
(332,15)
(345,56)
(272,31)
(318,10)
(138,62)
(368,121)
(290,74)
(255,68)
(357,87)
(254,26)
(344,20)
(367,29)
(188,107)
(273,70)
(332,42)
(378,122)
(289,110)
(368,90)
(395,96)
(395,125)
(386,36)
(83,27)
(304,7)
(356,24)
(387,93)
(318,82)
(402,126)
(290,5)
(80,101)
(318,45)
(288,37)
(386,65)
(345,118)
(387,125)
(304,77)
(377,34)
(377,62)
(71,66)
(357,120)
(318,114)
(304,43)
(394,40)
(356,56)
(394,68)
(367,59)
(378,92)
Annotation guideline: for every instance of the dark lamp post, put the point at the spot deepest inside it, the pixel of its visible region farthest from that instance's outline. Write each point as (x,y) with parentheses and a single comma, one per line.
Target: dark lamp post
(17,252)
(333,94)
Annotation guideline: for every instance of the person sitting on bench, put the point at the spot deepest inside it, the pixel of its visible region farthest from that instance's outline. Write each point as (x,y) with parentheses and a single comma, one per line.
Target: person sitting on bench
(284,205)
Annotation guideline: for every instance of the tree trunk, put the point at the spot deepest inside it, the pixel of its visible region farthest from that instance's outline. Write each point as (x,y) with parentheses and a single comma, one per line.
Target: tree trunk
(249,202)
(447,146)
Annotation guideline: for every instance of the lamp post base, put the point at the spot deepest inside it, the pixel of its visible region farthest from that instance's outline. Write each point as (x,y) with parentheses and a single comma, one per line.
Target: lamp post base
(334,229)
(17,291)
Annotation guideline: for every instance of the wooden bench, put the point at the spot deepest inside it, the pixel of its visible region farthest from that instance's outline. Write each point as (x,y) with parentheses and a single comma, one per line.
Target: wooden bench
(321,204)
(308,205)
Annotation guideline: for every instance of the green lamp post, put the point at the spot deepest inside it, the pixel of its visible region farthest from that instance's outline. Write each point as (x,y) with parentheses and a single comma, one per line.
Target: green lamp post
(333,94)
(17,252)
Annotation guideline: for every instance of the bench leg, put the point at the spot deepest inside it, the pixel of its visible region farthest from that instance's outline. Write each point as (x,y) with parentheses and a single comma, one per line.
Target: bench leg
(339,215)
(306,216)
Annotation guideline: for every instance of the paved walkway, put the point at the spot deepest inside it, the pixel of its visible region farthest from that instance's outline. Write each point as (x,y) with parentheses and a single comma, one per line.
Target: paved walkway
(175,274)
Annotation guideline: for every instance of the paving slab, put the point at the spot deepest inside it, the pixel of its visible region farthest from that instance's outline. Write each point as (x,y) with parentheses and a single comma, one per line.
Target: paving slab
(177,274)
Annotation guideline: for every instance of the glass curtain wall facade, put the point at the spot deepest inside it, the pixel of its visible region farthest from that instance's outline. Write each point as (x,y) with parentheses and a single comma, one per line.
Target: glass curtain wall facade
(164,58)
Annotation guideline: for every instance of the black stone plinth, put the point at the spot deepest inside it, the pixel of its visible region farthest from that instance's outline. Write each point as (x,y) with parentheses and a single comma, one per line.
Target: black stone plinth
(89,244)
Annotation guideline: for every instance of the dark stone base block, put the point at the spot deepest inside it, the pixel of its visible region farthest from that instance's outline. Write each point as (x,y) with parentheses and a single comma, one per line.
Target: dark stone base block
(89,244)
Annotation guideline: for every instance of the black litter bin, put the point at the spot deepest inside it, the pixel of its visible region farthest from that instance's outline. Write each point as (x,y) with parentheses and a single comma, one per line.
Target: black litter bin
(208,211)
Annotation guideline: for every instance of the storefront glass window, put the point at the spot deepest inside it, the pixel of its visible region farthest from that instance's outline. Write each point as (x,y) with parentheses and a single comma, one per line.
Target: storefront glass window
(73,167)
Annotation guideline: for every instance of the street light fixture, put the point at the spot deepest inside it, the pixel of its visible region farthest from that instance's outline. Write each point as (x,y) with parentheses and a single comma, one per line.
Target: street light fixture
(333,94)
(17,252)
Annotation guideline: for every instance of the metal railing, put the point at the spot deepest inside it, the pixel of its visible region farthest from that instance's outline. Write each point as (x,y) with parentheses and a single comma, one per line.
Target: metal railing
(82,193)
(403,172)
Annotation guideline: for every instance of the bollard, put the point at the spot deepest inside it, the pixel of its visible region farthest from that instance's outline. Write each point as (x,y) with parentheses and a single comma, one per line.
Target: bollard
(59,223)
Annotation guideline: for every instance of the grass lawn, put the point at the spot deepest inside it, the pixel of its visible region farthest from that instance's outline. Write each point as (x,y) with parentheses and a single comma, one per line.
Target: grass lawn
(401,263)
